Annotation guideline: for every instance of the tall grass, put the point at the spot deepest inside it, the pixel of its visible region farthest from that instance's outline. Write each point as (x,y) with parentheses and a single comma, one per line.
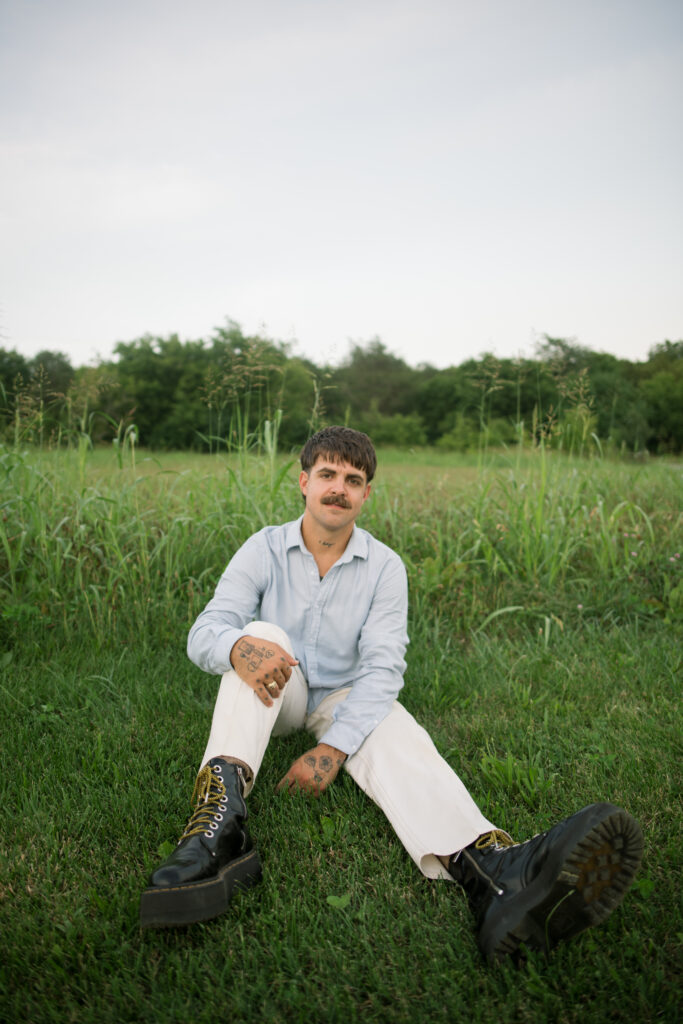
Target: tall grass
(133,544)
(545,536)
(127,544)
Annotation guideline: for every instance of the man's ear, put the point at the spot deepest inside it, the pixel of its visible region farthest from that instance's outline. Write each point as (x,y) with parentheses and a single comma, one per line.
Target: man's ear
(367,493)
(303,482)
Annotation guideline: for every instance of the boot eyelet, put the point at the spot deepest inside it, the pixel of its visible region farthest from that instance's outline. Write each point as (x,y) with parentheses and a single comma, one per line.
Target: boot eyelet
(209,835)
(217,817)
(212,826)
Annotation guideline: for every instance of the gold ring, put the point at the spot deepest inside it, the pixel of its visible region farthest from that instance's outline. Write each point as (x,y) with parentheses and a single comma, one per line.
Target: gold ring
(271,685)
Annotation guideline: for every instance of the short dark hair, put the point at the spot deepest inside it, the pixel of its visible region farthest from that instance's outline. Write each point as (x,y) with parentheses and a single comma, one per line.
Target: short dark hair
(340,444)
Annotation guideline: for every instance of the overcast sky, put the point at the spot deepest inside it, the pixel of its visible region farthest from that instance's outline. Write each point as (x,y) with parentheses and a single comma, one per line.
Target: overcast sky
(453,176)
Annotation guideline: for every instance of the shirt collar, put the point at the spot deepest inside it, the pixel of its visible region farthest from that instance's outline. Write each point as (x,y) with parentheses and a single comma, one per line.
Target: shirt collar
(293,538)
(356,548)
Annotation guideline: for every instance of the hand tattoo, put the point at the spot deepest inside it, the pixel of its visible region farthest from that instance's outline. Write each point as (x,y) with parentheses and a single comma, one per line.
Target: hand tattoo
(252,654)
(322,765)
(314,771)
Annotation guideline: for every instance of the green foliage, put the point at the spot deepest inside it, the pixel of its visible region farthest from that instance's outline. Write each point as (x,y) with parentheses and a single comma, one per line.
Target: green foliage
(466,435)
(215,394)
(371,378)
(664,394)
(54,367)
(397,430)
(13,367)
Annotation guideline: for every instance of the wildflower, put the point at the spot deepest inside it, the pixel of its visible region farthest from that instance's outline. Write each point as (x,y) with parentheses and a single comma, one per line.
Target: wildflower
(634,554)
(580,607)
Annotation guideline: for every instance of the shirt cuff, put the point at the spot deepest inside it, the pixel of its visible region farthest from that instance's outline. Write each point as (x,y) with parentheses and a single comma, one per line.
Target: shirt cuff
(344,738)
(225,646)
(216,659)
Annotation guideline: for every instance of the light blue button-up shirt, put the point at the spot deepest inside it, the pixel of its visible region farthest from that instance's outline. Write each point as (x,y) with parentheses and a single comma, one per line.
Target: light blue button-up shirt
(348,629)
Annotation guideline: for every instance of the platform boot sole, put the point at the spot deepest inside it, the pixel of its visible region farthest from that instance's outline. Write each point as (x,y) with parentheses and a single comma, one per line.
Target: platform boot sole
(173,906)
(580,885)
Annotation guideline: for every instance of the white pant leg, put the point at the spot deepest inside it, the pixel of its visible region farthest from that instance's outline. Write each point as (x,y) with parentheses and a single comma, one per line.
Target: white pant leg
(242,724)
(399,768)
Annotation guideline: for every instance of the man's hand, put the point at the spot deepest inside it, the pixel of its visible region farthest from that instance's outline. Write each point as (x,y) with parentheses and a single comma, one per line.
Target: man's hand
(263,665)
(314,770)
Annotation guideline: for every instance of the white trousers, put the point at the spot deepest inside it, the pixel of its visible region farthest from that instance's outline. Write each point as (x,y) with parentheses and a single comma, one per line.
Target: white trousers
(397,765)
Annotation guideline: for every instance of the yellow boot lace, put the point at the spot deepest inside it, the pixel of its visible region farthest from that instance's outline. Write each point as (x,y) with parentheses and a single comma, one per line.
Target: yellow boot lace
(495,838)
(211,799)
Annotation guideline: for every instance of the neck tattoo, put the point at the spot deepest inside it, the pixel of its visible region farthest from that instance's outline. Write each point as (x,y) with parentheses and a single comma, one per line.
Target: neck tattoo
(326,543)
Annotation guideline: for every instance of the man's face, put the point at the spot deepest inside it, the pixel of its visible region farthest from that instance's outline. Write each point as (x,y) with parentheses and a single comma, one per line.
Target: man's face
(334,491)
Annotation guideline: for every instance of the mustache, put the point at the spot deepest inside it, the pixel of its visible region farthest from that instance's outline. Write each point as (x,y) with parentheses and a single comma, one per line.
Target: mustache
(336,499)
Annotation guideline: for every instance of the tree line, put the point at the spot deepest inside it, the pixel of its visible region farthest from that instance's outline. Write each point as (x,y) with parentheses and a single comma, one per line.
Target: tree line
(214,393)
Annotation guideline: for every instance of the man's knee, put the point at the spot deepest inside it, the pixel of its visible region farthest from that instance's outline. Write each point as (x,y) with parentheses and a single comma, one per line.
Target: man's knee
(269,631)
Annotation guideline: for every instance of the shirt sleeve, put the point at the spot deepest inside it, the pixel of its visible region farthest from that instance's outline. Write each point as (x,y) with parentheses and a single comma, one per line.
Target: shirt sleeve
(235,603)
(382,645)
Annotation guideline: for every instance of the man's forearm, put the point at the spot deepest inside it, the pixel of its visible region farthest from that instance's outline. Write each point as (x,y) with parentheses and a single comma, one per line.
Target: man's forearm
(210,641)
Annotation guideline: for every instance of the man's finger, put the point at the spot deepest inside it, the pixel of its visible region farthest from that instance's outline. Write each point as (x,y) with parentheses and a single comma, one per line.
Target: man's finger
(290,785)
(283,784)
(263,695)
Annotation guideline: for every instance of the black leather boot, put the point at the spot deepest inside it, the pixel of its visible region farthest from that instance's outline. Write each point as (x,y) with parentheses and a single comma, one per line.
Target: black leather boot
(553,886)
(213,856)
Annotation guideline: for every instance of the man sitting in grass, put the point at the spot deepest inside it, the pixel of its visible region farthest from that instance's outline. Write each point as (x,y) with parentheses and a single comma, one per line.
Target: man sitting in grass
(308,629)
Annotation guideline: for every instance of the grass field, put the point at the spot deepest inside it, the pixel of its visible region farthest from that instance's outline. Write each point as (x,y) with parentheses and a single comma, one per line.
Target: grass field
(545,660)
